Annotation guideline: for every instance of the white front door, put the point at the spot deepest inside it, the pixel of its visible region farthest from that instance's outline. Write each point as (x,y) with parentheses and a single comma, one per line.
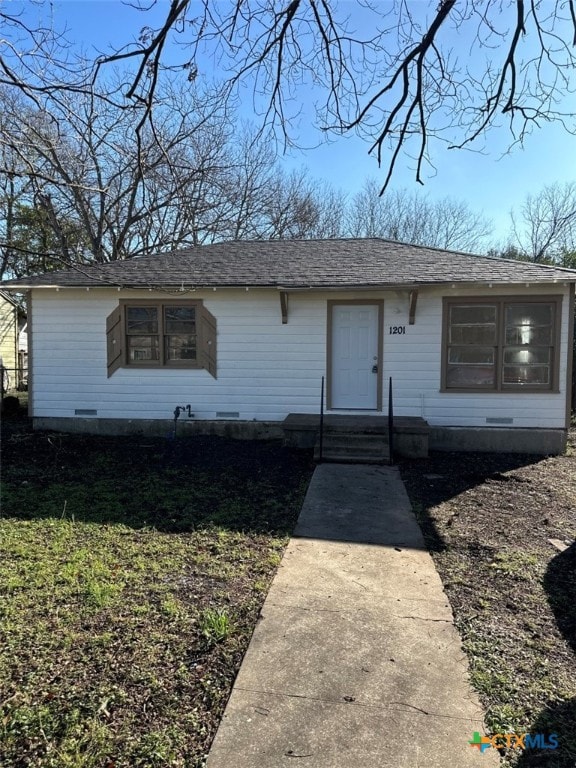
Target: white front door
(354,370)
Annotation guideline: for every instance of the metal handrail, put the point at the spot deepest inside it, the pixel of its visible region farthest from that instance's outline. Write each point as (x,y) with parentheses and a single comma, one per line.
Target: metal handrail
(390,422)
(321,443)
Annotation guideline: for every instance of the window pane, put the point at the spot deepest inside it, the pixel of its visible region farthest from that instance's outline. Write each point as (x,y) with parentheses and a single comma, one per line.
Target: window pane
(470,376)
(537,314)
(474,324)
(180,319)
(529,324)
(526,374)
(473,334)
(141,320)
(531,356)
(473,314)
(182,347)
(525,334)
(471,355)
(143,348)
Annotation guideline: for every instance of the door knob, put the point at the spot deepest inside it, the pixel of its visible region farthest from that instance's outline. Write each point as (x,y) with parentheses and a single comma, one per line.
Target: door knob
(374,369)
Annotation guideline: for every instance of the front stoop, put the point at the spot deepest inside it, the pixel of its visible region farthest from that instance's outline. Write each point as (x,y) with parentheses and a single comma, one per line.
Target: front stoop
(350,448)
(357,438)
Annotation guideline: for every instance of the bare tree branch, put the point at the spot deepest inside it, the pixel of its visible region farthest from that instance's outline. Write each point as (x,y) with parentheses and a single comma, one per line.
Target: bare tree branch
(546,226)
(411,217)
(403,87)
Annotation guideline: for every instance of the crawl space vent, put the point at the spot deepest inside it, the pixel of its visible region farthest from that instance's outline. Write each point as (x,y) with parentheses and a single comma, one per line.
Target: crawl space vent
(499,420)
(86,412)
(227,415)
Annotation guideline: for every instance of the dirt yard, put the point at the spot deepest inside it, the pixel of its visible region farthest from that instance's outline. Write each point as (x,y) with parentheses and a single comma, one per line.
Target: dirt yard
(132,571)
(495,525)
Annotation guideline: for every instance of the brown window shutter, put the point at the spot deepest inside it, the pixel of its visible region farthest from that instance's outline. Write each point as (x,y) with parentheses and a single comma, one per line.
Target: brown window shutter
(114,341)
(207,356)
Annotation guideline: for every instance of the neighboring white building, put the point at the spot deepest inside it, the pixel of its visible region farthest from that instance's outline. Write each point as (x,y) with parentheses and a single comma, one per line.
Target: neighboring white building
(245,331)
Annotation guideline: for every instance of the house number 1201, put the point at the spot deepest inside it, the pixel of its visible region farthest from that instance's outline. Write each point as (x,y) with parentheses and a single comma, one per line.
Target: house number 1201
(397,329)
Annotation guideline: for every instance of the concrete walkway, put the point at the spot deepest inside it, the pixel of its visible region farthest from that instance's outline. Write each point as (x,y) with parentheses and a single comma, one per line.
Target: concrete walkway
(355,662)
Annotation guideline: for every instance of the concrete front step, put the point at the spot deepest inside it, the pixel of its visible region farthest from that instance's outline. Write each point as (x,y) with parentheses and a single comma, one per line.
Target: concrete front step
(301,430)
(353,449)
(353,459)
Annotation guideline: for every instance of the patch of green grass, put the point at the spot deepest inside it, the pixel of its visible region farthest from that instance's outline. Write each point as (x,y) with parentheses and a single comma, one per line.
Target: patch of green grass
(171,607)
(215,625)
(504,718)
(523,565)
(120,571)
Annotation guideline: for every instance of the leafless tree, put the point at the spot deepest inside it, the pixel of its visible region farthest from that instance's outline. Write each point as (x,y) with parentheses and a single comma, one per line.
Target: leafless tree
(545,228)
(414,218)
(81,161)
(12,191)
(297,207)
(403,86)
(93,190)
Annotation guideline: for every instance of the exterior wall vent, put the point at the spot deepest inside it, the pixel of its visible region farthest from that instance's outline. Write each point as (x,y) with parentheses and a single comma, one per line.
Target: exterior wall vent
(227,415)
(85,412)
(499,420)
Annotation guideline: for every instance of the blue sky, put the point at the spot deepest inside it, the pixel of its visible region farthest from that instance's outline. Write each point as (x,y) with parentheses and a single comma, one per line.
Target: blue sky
(491,182)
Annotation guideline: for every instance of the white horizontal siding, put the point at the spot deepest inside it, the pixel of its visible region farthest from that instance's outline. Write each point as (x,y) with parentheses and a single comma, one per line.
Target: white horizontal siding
(265,369)
(414,362)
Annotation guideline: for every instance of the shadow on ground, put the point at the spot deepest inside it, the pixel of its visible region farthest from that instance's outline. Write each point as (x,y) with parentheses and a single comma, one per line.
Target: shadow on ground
(171,485)
(432,481)
(560,586)
(559,718)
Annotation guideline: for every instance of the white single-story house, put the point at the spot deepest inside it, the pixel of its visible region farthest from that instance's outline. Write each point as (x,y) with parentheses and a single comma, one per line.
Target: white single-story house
(479,348)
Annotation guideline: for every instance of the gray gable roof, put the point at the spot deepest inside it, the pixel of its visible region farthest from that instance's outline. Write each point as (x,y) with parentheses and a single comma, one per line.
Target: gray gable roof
(343,263)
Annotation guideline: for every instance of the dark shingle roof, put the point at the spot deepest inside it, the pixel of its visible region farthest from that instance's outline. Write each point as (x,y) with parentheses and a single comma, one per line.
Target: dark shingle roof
(303,264)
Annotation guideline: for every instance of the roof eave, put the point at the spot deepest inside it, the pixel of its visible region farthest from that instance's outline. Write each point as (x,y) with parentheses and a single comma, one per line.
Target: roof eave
(311,286)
